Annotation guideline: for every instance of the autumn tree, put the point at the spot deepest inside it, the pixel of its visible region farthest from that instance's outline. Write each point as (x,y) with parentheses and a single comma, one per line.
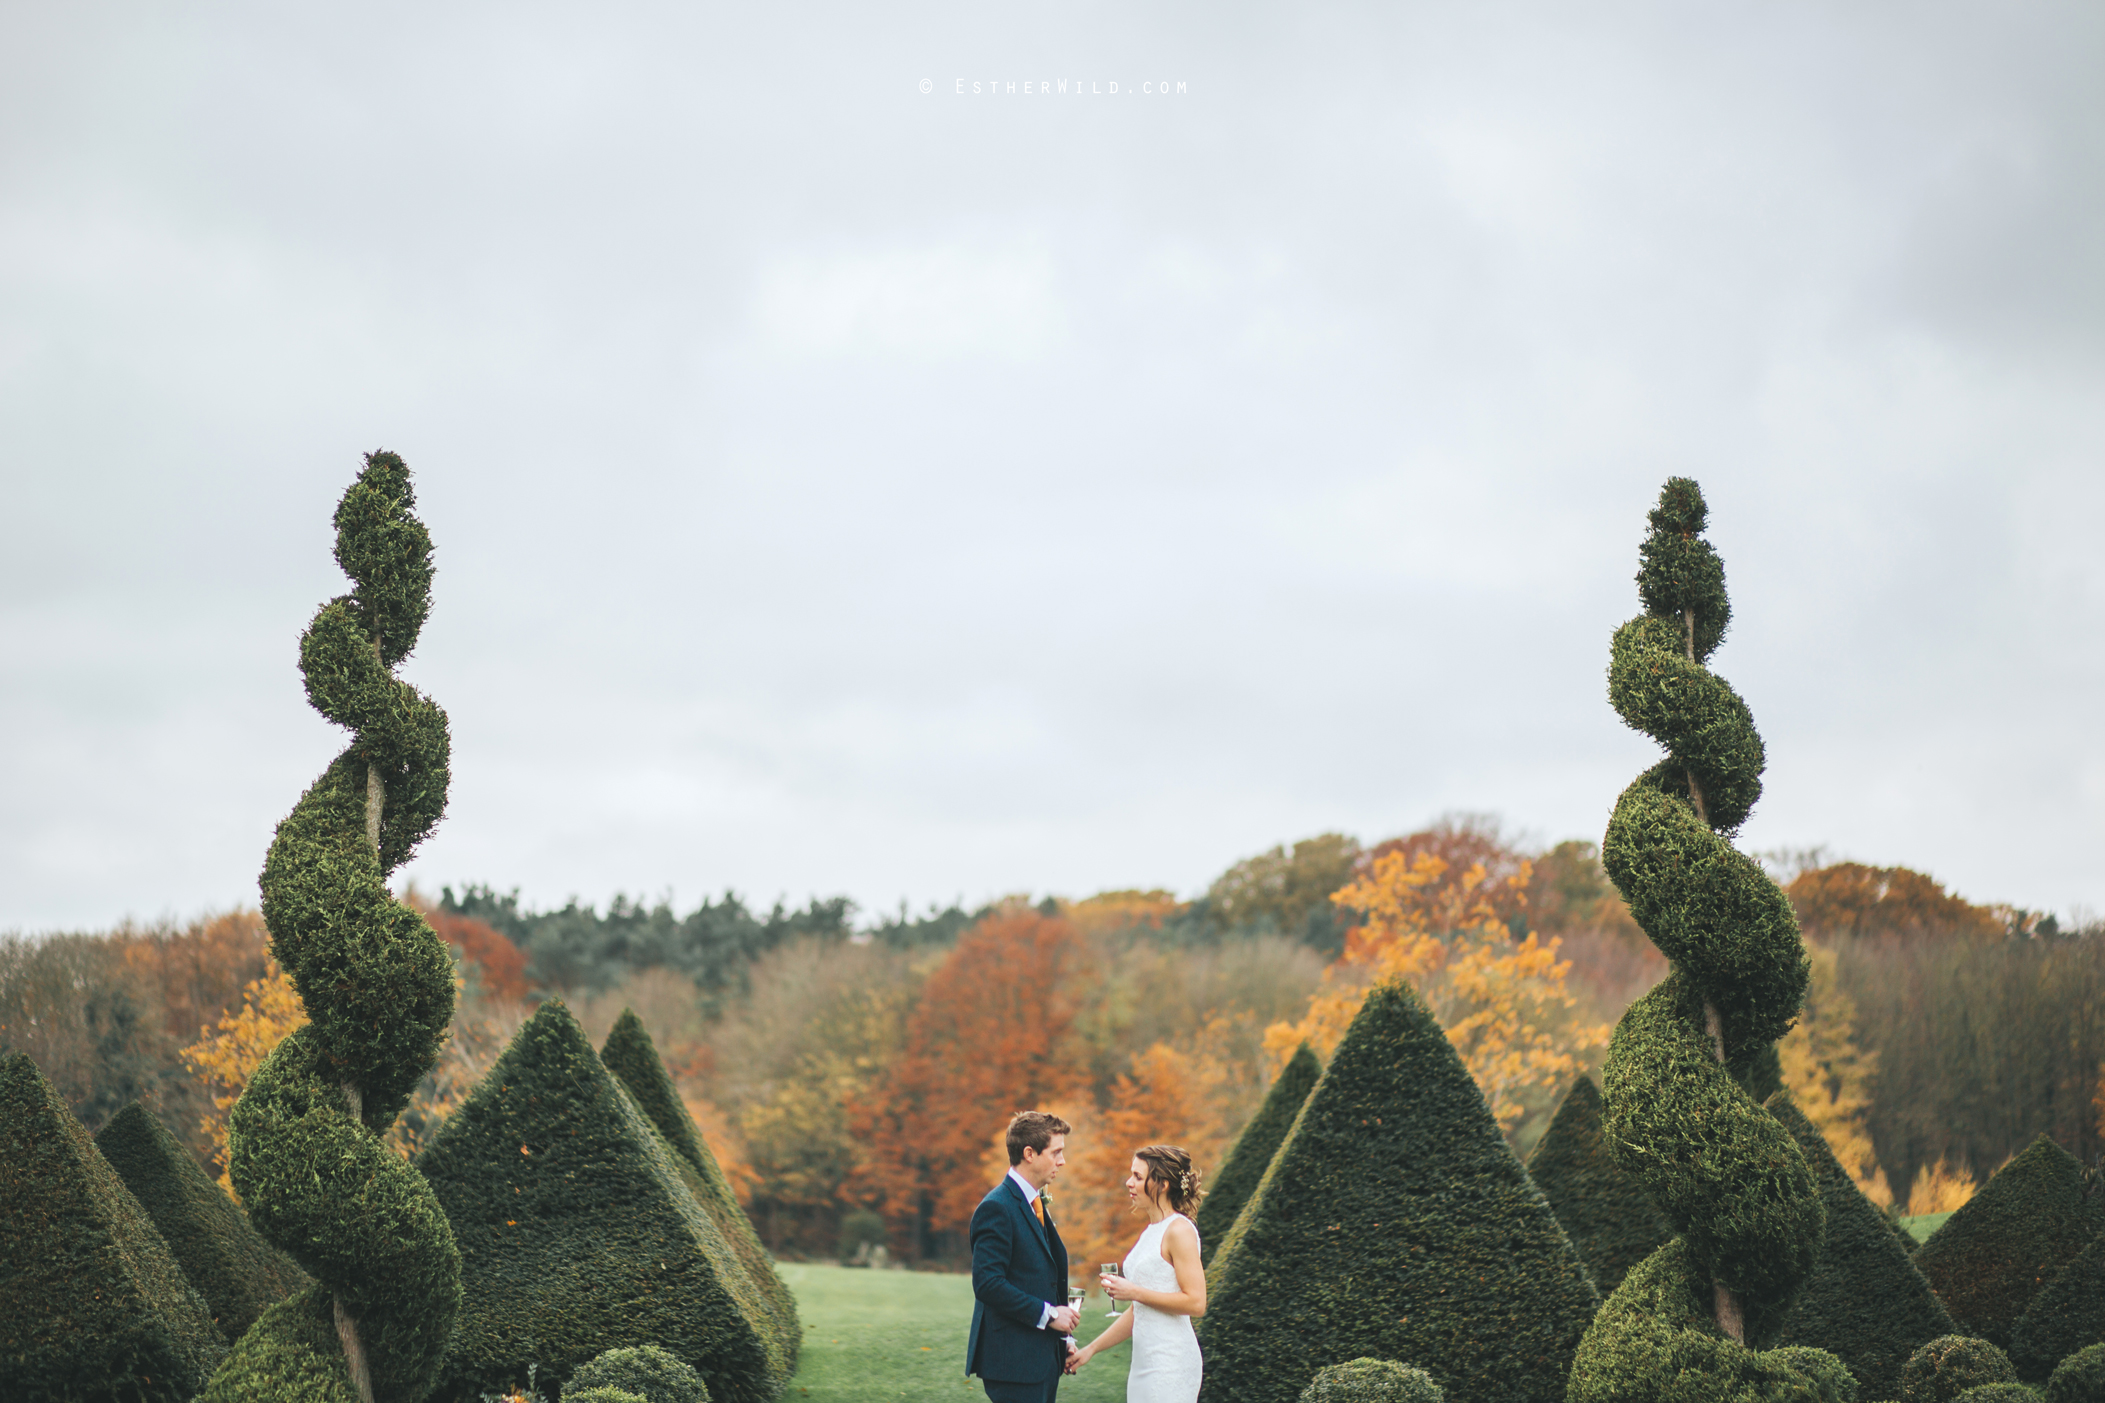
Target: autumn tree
(1829,1077)
(1848,899)
(989,1036)
(1449,933)
(226,1056)
(1287,890)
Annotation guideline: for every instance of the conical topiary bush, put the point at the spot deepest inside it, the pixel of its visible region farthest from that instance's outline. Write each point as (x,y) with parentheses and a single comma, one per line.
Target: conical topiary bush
(578,1234)
(1254,1148)
(237,1272)
(1867,1304)
(304,1146)
(631,1055)
(1394,1223)
(92,1305)
(2067,1314)
(1690,1061)
(2027,1222)
(1604,1211)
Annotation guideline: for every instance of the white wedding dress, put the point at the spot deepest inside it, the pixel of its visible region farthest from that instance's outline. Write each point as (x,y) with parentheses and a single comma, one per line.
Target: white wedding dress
(1166,1365)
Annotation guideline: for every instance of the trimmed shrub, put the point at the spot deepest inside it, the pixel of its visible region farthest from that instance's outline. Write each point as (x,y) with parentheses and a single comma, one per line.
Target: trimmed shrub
(304,1142)
(1950,1365)
(631,1055)
(1691,1060)
(1993,1254)
(237,1272)
(1603,1210)
(91,1303)
(1254,1148)
(1372,1381)
(2080,1378)
(1395,1223)
(645,1371)
(604,1395)
(578,1233)
(1866,1304)
(2066,1315)
(1999,1393)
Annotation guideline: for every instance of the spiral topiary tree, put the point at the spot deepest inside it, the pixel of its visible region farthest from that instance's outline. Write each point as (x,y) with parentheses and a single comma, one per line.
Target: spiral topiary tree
(1690,1061)
(305,1151)
(1606,1213)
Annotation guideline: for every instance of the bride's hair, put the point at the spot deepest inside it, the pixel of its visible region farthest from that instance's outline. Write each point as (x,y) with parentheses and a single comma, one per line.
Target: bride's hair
(1172,1169)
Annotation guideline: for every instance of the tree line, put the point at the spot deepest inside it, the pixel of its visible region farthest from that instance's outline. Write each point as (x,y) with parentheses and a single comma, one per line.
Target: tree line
(843,1066)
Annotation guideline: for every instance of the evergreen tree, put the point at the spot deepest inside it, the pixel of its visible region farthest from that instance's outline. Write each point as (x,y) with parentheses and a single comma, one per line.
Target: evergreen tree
(578,1233)
(631,1055)
(1866,1304)
(237,1272)
(2080,1378)
(2027,1222)
(1254,1148)
(2066,1315)
(92,1305)
(1604,1211)
(1395,1223)
(1692,1058)
(304,1141)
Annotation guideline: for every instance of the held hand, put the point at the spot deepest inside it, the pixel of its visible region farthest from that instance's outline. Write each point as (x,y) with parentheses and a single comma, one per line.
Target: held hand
(1116,1287)
(1066,1320)
(1076,1358)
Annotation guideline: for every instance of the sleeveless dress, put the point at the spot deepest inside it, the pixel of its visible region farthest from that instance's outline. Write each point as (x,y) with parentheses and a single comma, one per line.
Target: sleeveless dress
(1166,1364)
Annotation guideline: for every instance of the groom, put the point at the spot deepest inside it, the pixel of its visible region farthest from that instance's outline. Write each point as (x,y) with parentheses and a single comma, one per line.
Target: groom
(1020,1317)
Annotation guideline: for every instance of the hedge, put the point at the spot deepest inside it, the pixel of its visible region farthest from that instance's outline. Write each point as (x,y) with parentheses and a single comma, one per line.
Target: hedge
(2067,1314)
(1252,1155)
(92,1304)
(630,1055)
(1951,1365)
(237,1272)
(1604,1211)
(2080,1378)
(2025,1224)
(644,1371)
(1372,1381)
(1395,1223)
(578,1234)
(1866,1303)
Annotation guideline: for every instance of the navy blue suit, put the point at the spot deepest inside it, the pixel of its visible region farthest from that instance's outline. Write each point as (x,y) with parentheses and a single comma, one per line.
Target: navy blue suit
(1019,1266)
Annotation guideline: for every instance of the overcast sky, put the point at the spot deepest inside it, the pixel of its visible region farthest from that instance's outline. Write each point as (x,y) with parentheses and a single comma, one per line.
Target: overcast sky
(846,481)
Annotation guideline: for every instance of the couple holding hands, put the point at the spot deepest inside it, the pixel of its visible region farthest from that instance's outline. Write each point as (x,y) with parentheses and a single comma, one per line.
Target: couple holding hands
(1023,1324)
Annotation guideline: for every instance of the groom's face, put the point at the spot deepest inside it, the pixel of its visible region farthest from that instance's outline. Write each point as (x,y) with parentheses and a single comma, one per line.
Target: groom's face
(1041,1167)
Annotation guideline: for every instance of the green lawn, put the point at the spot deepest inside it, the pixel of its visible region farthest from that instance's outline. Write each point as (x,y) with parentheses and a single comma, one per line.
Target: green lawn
(901,1334)
(1923,1226)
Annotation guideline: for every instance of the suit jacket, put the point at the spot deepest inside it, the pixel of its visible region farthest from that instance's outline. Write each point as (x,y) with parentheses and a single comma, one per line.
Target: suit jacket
(1018,1267)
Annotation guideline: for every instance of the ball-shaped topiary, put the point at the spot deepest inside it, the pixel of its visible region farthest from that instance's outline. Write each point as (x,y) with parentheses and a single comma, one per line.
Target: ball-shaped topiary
(655,1374)
(305,1147)
(1691,1059)
(603,1394)
(1950,1365)
(1372,1381)
(2080,1378)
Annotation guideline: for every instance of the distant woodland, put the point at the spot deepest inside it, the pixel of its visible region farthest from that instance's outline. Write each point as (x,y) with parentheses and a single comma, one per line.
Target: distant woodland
(854,1072)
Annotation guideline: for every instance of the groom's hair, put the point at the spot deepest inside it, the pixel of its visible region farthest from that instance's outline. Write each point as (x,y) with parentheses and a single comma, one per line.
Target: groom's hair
(1034,1129)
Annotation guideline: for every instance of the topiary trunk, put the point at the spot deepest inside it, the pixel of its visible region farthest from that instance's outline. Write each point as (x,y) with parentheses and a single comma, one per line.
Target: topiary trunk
(304,1139)
(1691,1059)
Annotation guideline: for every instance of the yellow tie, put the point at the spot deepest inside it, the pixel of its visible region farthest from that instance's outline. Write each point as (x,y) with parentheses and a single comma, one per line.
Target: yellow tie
(1039,1204)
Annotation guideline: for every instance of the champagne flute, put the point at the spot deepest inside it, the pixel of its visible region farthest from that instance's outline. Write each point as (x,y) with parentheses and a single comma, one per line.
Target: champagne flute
(1111,1269)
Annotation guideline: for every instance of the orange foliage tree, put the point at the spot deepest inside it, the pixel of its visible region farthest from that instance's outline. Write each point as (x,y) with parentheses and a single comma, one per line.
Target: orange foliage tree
(989,1037)
(227,1056)
(1851,899)
(501,964)
(1448,932)
(1170,1097)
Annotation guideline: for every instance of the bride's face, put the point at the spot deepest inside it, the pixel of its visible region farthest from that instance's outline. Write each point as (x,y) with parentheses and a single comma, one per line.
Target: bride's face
(1137,1182)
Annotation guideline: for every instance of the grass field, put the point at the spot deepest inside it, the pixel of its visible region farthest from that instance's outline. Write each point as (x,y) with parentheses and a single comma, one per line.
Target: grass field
(1922,1227)
(901,1334)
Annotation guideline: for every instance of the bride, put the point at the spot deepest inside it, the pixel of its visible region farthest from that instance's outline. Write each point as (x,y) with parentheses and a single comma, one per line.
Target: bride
(1163,1280)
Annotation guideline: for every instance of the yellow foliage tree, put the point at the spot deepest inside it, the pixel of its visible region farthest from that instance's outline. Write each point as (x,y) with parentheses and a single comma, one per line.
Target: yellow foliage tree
(1501,1001)
(226,1057)
(1939,1188)
(1829,1076)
